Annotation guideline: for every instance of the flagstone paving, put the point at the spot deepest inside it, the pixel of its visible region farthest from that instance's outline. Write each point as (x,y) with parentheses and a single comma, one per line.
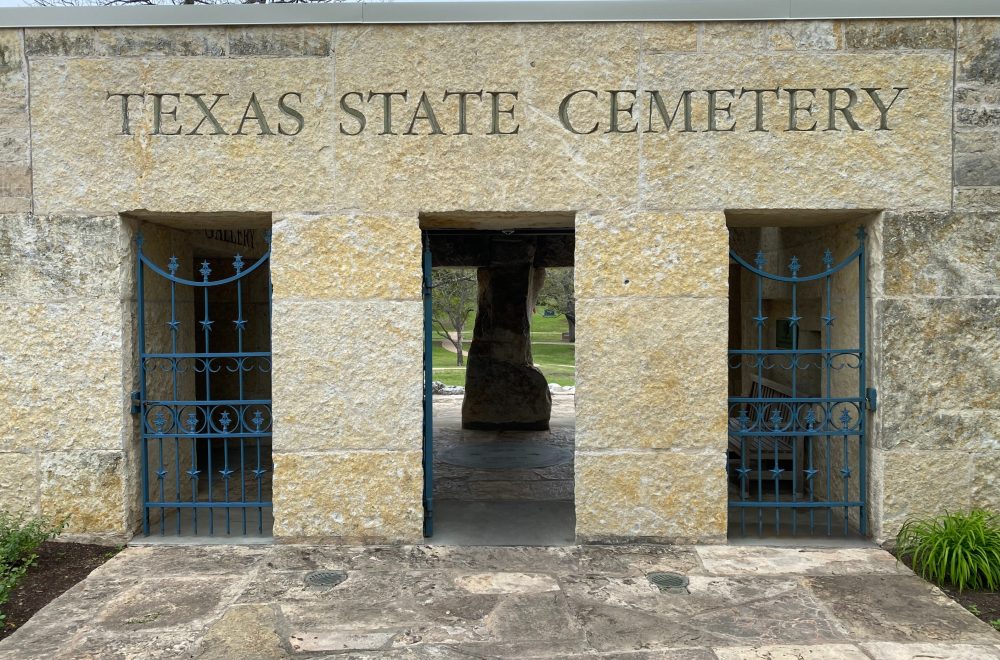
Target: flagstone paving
(460,602)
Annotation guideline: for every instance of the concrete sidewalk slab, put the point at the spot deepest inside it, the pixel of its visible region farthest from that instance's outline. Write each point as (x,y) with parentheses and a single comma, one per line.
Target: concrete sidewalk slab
(215,602)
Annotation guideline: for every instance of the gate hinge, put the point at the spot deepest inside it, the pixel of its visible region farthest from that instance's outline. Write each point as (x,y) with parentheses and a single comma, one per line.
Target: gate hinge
(871,394)
(136,403)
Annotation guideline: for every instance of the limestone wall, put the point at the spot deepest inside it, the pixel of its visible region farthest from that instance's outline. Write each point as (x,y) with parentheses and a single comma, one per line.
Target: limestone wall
(651,317)
(937,310)
(651,253)
(347,382)
(62,348)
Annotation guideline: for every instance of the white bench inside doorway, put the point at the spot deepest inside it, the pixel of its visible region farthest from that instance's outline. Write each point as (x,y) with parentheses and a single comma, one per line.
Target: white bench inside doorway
(786,451)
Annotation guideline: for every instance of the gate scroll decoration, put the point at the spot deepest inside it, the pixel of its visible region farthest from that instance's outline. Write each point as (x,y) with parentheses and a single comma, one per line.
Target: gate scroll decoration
(802,455)
(202,453)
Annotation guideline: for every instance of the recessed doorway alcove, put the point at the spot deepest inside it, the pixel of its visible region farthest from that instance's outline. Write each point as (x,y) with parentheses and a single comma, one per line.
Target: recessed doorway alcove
(201,402)
(499,422)
(799,376)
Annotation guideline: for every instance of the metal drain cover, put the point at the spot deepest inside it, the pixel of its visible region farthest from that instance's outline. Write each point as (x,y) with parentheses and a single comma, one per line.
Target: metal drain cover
(324,579)
(510,455)
(670,583)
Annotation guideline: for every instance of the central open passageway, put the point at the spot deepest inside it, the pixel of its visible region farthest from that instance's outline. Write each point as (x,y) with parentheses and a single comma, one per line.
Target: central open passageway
(503,487)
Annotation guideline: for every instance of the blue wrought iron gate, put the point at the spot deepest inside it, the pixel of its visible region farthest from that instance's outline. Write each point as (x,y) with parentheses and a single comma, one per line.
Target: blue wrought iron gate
(204,402)
(797,427)
(428,448)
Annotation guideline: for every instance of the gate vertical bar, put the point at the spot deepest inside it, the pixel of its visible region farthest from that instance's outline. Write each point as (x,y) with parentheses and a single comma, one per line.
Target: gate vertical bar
(862,386)
(174,327)
(793,414)
(143,450)
(241,325)
(428,390)
(760,318)
(828,392)
(259,472)
(206,325)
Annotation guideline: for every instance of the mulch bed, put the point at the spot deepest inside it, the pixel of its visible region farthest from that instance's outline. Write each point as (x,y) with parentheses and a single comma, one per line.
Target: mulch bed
(984,604)
(59,566)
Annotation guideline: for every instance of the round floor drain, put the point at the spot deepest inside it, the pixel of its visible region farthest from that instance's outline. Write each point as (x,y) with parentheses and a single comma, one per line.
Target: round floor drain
(669,582)
(325,579)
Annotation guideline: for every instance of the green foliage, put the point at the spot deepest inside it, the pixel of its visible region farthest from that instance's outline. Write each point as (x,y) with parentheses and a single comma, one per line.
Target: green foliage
(973,609)
(113,551)
(453,300)
(557,291)
(961,549)
(557,294)
(20,536)
(547,328)
(995,623)
(555,357)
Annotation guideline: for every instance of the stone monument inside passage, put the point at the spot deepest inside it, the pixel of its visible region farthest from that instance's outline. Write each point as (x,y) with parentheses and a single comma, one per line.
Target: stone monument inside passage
(638,152)
(503,388)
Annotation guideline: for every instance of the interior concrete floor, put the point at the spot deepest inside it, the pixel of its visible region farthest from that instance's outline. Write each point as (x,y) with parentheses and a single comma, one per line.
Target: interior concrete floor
(519,499)
(522,522)
(259,524)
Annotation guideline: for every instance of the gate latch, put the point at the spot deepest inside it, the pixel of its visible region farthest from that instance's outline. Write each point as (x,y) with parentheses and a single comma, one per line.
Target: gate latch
(871,394)
(136,403)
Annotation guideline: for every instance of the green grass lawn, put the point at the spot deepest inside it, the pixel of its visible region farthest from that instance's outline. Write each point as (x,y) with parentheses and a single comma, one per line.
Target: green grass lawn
(543,328)
(556,360)
(548,328)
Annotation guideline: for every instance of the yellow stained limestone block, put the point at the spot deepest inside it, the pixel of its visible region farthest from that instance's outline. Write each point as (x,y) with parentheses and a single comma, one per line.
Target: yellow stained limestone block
(667,362)
(351,497)
(669,37)
(522,143)
(346,257)
(919,483)
(61,385)
(259,156)
(651,254)
(733,36)
(956,337)
(660,495)
(18,482)
(87,486)
(906,165)
(347,375)
(986,479)
(50,258)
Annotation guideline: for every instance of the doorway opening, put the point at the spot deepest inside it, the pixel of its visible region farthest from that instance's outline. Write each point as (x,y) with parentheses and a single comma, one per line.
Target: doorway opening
(202,399)
(499,379)
(798,376)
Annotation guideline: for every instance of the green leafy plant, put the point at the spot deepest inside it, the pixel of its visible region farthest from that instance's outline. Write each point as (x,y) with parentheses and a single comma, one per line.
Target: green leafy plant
(113,551)
(995,623)
(961,549)
(974,609)
(20,536)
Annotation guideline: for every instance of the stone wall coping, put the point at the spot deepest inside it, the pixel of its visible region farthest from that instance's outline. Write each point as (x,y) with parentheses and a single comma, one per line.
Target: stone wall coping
(507,11)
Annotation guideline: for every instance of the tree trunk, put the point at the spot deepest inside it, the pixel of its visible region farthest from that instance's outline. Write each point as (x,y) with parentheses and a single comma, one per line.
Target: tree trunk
(571,333)
(458,345)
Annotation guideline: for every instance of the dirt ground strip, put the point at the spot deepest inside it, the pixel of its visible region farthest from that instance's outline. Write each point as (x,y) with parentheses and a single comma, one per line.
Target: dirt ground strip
(457,602)
(58,567)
